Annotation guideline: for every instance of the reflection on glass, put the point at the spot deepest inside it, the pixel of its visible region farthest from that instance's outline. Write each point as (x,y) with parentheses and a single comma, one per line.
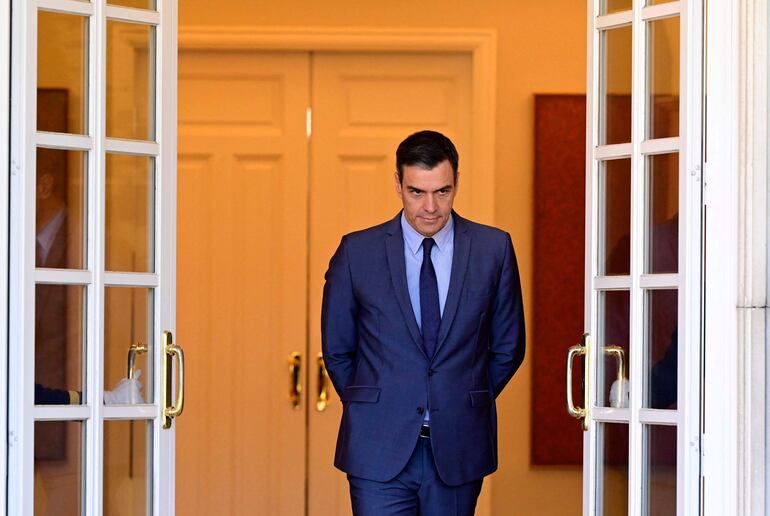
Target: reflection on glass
(663,78)
(139,4)
(59,344)
(615,217)
(62,72)
(615,94)
(661,339)
(130,205)
(660,471)
(127,468)
(128,345)
(60,209)
(130,81)
(59,469)
(613,6)
(614,365)
(612,468)
(662,217)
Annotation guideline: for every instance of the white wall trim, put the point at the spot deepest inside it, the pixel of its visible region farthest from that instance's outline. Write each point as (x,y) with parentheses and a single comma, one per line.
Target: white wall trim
(752,253)
(480,43)
(5,116)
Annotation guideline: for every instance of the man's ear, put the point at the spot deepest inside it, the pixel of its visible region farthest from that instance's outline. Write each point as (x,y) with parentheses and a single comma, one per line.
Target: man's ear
(399,191)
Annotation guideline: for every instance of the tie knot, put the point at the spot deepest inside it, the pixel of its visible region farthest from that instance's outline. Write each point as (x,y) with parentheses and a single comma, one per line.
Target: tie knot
(427,246)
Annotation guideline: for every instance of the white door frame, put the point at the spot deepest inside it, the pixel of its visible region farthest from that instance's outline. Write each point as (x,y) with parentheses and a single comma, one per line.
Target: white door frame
(5,120)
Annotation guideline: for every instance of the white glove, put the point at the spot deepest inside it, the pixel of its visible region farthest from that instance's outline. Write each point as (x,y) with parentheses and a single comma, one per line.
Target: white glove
(619,393)
(126,392)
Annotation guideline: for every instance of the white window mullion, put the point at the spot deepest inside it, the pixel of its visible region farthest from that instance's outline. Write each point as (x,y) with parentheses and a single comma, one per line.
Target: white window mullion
(690,263)
(22,291)
(636,319)
(97,88)
(5,68)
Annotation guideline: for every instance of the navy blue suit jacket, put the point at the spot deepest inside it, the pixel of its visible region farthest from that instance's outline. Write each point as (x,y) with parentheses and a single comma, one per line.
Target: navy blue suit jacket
(373,351)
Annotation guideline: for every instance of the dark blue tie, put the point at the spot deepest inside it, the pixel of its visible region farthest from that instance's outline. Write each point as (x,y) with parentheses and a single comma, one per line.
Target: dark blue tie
(430,312)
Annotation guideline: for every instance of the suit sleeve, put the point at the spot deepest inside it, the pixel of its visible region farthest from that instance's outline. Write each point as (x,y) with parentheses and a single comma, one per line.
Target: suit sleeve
(339,312)
(507,338)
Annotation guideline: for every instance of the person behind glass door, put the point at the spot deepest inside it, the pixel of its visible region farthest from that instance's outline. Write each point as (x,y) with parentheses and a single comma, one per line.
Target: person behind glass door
(51,247)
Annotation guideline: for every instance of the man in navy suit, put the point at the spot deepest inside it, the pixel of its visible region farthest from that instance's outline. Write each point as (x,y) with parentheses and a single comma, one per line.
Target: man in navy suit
(422,328)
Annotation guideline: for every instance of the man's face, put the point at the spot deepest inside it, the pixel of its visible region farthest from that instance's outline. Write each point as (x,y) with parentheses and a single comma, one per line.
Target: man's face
(427,196)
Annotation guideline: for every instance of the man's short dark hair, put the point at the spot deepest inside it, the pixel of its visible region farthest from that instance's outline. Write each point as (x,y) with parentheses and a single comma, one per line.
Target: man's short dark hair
(425,149)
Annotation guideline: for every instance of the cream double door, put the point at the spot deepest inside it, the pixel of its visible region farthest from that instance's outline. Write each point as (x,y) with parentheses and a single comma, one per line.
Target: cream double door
(280,154)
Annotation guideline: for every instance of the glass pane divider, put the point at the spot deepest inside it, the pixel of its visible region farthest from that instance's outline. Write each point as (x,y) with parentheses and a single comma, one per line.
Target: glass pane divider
(614,151)
(118,412)
(62,412)
(661,146)
(610,415)
(67,6)
(127,279)
(658,11)
(659,281)
(659,417)
(63,277)
(133,147)
(614,20)
(64,141)
(602,283)
(128,14)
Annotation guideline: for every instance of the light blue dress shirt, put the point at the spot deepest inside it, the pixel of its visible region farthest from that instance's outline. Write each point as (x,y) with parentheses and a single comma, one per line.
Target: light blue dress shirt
(441,256)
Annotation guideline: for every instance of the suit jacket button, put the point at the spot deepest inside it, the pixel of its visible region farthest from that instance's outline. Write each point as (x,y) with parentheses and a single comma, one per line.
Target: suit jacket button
(420,410)
(431,372)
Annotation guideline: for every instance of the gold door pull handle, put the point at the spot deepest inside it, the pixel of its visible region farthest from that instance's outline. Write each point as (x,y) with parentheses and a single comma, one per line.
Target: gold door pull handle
(576,412)
(323,385)
(170,350)
(133,350)
(295,380)
(620,355)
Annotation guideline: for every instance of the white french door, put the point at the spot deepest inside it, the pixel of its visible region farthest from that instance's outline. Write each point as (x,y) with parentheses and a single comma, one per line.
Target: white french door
(94,376)
(643,323)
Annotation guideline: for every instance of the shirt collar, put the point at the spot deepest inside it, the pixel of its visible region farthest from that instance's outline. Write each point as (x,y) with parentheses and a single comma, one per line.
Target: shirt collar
(413,239)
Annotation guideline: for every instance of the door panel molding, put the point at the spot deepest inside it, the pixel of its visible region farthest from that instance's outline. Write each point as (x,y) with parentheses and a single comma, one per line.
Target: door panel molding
(481,44)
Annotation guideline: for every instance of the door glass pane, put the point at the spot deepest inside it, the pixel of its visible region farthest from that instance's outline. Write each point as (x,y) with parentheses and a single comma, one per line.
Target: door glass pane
(60,209)
(612,378)
(59,344)
(139,4)
(662,217)
(130,208)
(62,72)
(59,468)
(128,345)
(614,217)
(659,480)
(612,469)
(615,79)
(130,81)
(613,6)
(661,340)
(128,468)
(663,78)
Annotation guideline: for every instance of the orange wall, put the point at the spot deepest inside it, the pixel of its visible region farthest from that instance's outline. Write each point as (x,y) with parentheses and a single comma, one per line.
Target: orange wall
(541,49)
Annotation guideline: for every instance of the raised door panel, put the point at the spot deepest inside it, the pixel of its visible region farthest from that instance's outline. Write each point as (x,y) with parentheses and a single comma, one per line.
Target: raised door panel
(363,106)
(242,281)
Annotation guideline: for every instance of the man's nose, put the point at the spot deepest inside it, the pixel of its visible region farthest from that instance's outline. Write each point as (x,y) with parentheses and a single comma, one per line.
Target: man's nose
(430,203)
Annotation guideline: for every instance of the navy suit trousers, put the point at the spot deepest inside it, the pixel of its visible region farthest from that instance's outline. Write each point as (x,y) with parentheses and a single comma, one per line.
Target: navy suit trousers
(416,491)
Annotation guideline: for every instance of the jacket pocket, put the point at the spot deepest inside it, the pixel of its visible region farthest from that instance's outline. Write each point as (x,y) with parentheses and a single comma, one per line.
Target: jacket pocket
(361,393)
(480,398)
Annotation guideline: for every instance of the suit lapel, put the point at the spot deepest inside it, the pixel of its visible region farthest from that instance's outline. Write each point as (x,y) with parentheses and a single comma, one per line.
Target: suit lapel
(394,244)
(462,248)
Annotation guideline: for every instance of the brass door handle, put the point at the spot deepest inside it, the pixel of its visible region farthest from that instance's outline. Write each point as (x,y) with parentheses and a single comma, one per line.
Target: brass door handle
(133,350)
(577,412)
(323,385)
(295,380)
(620,355)
(169,351)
